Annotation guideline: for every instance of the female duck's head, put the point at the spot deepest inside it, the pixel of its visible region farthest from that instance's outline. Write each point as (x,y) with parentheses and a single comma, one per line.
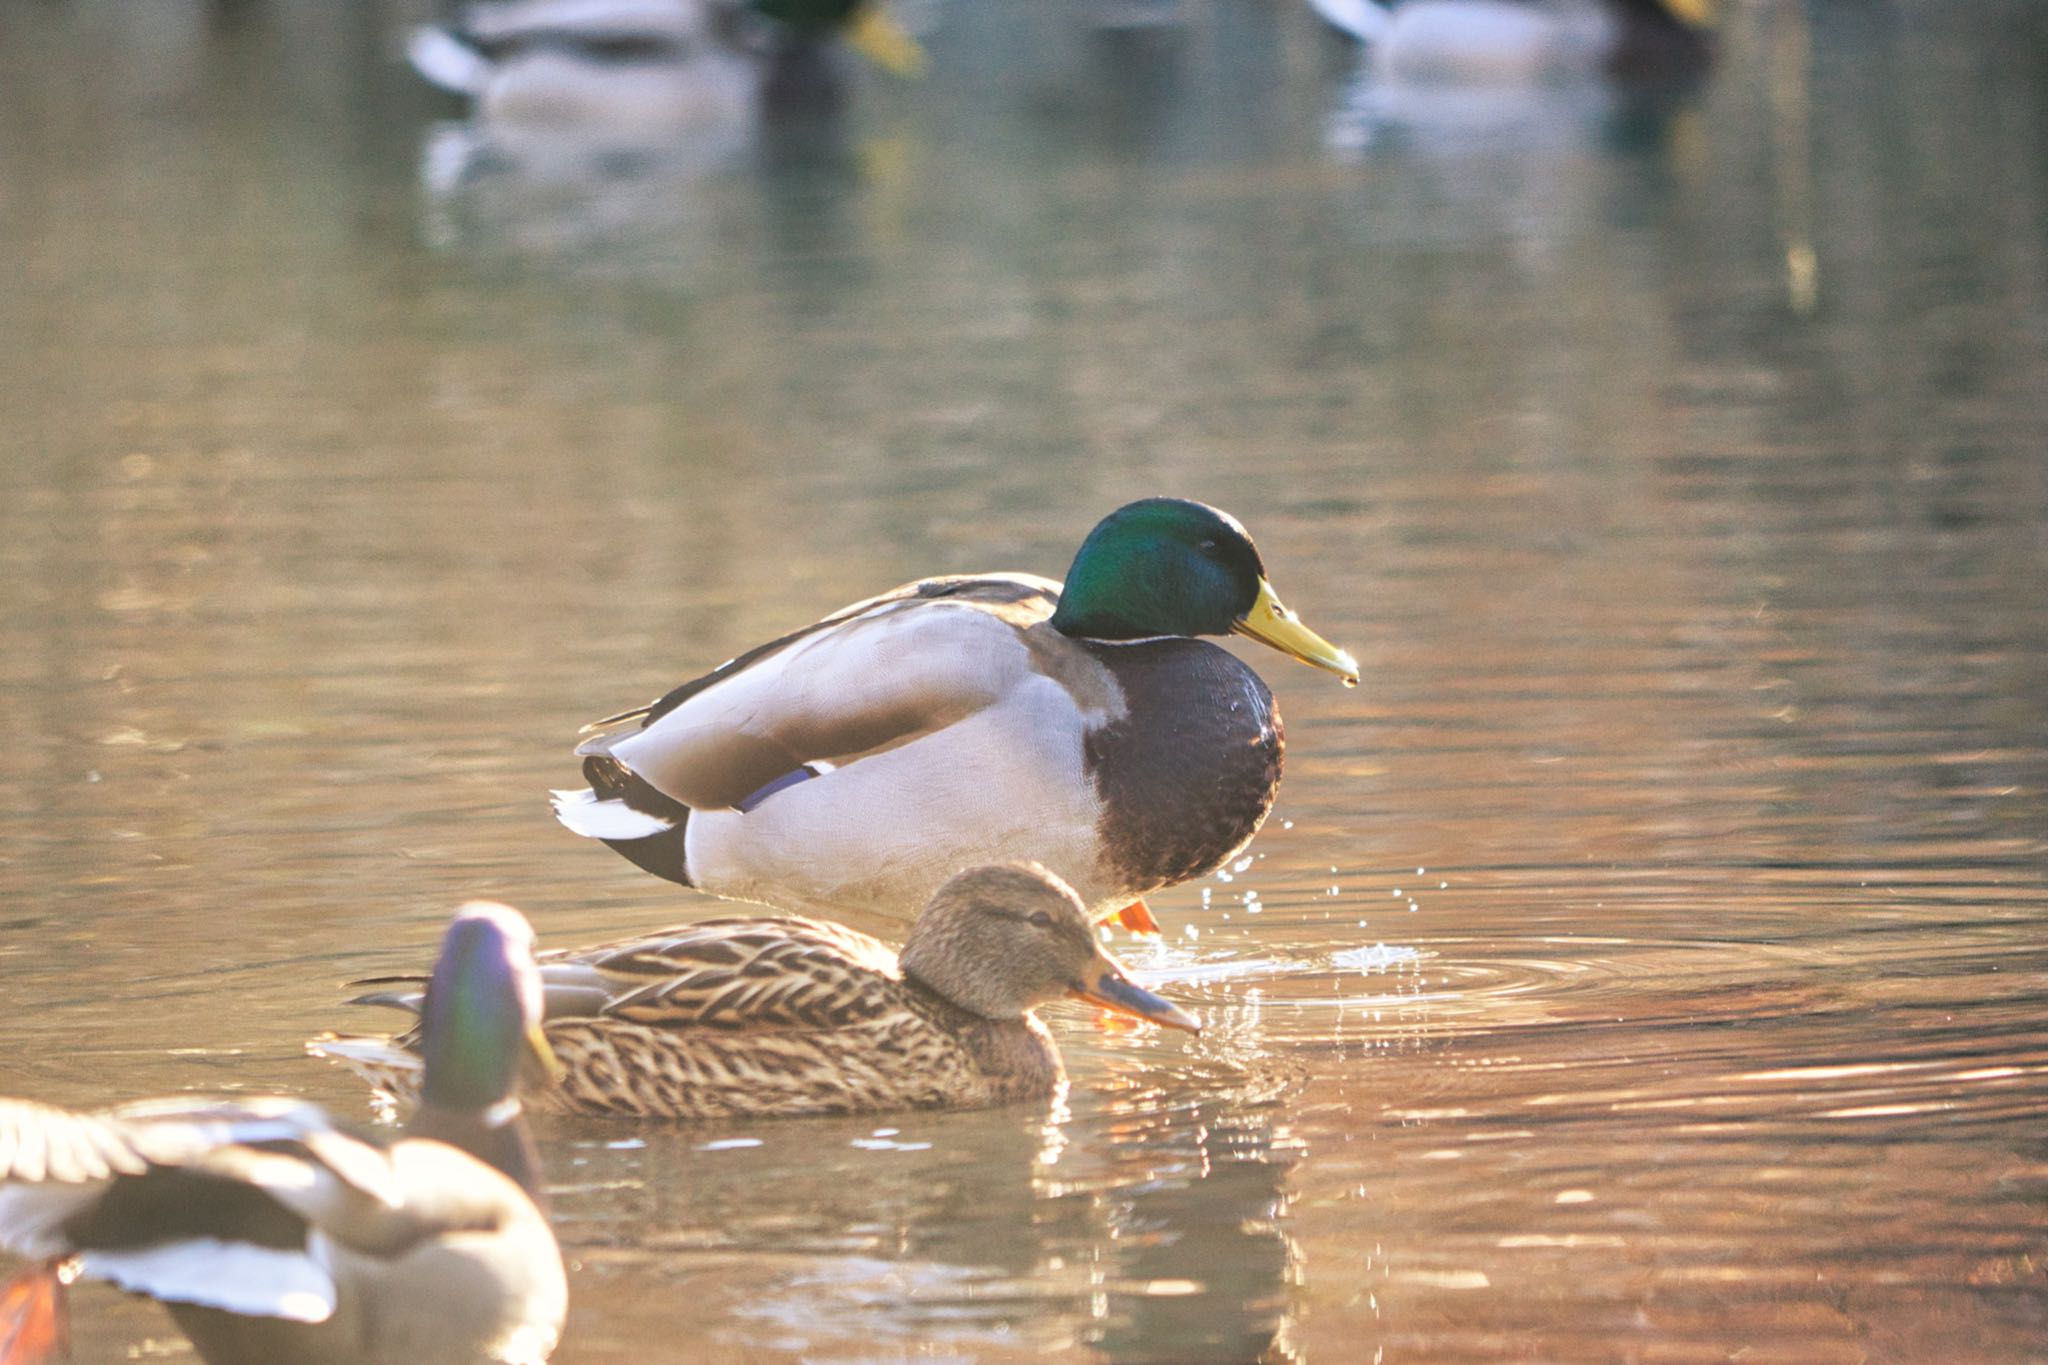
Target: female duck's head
(1169,566)
(999,939)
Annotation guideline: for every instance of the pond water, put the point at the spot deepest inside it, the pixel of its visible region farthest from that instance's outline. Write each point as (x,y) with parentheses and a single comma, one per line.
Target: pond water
(1648,962)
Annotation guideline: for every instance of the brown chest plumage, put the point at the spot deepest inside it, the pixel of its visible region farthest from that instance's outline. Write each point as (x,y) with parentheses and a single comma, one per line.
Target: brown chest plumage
(1187,776)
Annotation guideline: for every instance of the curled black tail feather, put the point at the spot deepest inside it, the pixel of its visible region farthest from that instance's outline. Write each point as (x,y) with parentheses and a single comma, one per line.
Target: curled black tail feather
(662,854)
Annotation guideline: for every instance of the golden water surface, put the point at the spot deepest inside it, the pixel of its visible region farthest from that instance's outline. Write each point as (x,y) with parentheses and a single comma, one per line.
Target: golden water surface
(1649,961)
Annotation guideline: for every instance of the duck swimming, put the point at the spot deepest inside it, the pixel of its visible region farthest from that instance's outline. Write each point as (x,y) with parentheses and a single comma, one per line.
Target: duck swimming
(673,64)
(272,1234)
(851,766)
(764,1017)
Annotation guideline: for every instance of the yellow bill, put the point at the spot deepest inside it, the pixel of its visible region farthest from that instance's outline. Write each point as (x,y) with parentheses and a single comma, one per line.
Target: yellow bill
(541,1065)
(885,42)
(1271,623)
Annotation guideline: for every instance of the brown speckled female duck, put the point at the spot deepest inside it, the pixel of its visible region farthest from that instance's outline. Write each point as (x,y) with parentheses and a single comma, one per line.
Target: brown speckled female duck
(850,767)
(794,1016)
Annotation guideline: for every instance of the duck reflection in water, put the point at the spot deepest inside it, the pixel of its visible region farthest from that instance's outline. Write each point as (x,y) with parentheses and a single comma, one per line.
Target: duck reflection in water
(1445,70)
(1144,1217)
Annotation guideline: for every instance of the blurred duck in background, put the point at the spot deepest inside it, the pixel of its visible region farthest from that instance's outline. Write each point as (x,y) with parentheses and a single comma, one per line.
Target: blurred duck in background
(572,88)
(272,1235)
(625,106)
(1537,77)
(768,1016)
(642,67)
(1503,41)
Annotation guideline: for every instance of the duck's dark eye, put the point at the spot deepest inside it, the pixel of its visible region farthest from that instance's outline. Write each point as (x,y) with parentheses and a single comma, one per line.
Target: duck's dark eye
(1207,547)
(1041,919)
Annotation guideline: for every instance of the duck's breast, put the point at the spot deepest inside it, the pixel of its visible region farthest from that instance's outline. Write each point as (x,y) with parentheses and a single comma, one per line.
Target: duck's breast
(1185,777)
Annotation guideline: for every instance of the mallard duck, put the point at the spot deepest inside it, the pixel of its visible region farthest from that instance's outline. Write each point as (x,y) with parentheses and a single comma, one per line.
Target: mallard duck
(850,767)
(636,59)
(866,24)
(271,1234)
(1505,41)
(656,76)
(795,1016)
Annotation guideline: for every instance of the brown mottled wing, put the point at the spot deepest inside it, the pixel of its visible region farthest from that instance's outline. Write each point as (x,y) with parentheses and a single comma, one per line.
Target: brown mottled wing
(736,974)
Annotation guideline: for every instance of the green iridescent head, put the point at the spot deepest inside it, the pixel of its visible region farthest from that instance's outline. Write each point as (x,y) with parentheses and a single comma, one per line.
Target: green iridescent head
(1169,566)
(480,1021)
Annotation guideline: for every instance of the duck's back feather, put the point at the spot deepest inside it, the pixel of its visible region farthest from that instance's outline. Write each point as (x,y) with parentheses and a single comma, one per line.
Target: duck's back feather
(869,677)
(737,974)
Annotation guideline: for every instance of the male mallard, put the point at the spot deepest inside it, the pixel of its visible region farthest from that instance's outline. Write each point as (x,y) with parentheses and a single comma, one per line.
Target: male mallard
(1501,40)
(272,1235)
(605,75)
(538,56)
(853,765)
(793,1016)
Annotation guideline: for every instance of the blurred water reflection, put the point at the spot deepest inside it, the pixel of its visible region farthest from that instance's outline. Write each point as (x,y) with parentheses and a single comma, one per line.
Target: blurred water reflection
(1645,963)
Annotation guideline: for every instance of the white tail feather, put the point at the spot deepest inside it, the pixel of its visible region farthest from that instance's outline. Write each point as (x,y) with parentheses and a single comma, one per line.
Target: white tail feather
(370,1058)
(445,60)
(1364,20)
(251,1280)
(594,817)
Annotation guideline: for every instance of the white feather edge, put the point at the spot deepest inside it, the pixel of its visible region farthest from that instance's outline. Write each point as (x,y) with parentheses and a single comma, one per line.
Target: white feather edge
(250,1280)
(443,59)
(32,1217)
(375,1052)
(1363,20)
(585,813)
